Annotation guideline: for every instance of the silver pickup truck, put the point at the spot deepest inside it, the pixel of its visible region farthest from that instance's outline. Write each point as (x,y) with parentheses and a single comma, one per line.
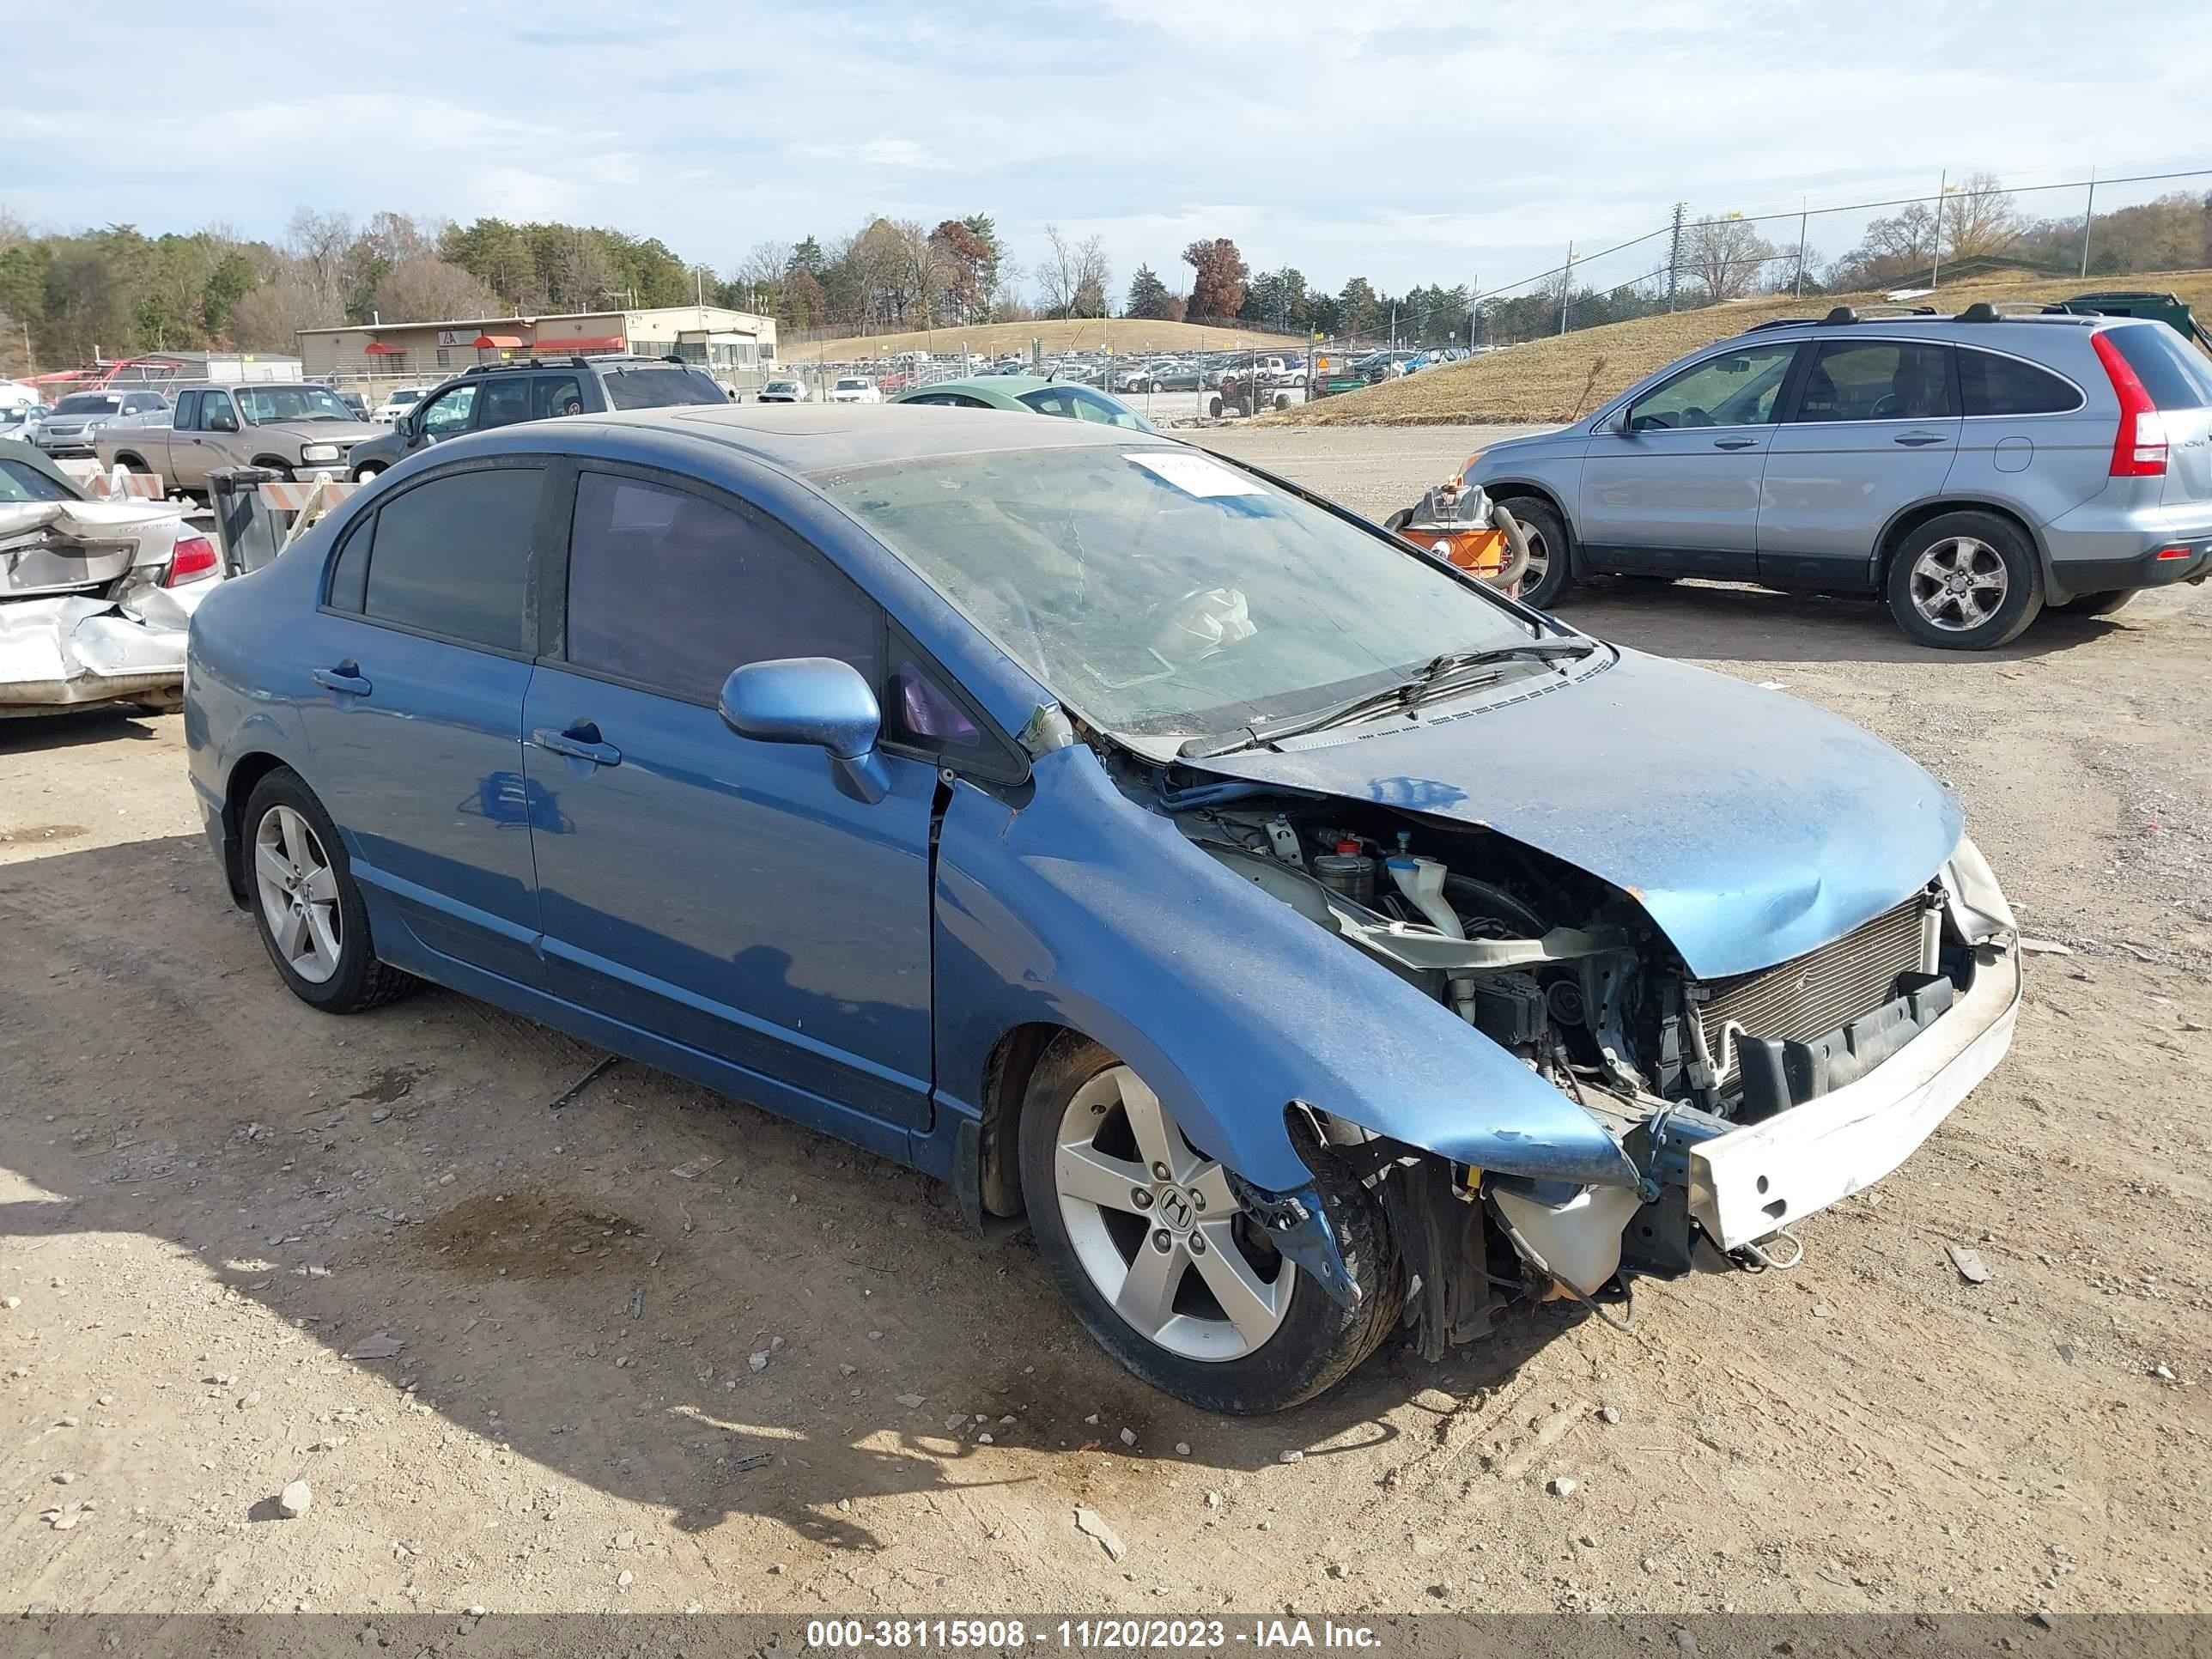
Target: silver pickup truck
(297,429)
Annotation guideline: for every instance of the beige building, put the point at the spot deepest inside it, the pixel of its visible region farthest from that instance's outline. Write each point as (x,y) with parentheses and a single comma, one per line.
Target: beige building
(727,344)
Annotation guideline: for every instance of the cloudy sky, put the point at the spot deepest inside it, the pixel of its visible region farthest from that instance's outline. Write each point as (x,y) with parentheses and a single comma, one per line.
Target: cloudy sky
(1403,140)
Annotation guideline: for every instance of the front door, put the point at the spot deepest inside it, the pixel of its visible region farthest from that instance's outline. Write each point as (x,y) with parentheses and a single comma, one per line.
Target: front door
(417,663)
(1674,489)
(1872,427)
(715,892)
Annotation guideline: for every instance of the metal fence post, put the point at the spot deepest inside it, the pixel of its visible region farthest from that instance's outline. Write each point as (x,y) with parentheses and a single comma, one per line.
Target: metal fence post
(2089,218)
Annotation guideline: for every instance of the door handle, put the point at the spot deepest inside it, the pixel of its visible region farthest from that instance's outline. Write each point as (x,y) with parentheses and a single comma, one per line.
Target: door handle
(345,678)
(579,742)
(1917,439)
(1735,443)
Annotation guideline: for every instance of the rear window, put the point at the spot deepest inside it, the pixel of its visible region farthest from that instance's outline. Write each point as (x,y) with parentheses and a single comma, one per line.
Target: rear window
(451,556)
(1990,385)
(659,388)
(2176,375)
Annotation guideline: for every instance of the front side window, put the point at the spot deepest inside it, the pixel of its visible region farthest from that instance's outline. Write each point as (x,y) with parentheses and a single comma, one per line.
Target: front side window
(1075,402)
(1737,389)
(1160,590)
(450,414)
(451,556)
(216,413)
(672,591)
(1876,381)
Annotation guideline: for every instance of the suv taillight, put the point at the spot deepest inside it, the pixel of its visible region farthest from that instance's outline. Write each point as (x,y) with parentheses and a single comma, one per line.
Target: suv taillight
(2139,447)
(192,559)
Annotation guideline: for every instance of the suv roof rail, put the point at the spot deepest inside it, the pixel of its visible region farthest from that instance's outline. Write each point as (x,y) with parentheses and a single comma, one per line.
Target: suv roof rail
(1843,315)
(1998,311)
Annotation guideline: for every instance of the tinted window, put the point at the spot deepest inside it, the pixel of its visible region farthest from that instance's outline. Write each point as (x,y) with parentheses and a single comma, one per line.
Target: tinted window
(1074,403)
(1736,390)
(919,711)
(673,591)
(505,401)
(21,482)
(1875,380)
(555,395)
(451,555)
(349,575)
(656,388)
(187,417)
(90,403)
(2176,375)
(1990,385)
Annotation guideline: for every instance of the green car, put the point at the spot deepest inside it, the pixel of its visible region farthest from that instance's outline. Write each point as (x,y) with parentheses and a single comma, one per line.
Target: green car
(1026,394)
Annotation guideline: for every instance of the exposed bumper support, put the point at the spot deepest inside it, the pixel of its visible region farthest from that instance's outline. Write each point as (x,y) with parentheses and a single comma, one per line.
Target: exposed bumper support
(1751,1183)
(1298,1227)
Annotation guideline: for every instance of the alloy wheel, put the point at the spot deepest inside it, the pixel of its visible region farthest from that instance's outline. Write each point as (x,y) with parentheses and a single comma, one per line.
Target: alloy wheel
(1157,1229)
(299,893)
(1958,583)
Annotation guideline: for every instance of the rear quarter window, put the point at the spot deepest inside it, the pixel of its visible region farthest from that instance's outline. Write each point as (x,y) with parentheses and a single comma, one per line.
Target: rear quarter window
(1991,384)
(660,388)
(2173,372)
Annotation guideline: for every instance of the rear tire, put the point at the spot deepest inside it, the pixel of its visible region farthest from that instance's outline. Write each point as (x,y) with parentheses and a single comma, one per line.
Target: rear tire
(284,822)
(1964,581)
(2097,604)
(1308,1344)
(1550,557)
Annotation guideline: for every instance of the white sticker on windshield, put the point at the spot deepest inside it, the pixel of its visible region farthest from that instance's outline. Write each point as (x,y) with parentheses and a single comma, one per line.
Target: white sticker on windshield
(1193,474)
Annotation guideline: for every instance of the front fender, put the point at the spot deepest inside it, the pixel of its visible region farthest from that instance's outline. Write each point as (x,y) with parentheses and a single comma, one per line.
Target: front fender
(1085,909)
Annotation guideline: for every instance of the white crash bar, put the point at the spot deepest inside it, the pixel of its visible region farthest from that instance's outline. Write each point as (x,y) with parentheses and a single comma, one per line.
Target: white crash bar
(1748,1183)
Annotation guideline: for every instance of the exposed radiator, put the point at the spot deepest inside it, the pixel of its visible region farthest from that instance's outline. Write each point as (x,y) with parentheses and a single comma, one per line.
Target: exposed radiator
(1814,994)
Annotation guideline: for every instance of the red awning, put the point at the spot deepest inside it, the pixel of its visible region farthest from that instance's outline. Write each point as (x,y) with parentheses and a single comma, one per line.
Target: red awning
(586,342)
(504,342)
(378,349)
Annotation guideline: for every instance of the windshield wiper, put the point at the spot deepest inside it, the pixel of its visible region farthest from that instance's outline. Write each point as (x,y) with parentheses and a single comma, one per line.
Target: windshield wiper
(1440,674)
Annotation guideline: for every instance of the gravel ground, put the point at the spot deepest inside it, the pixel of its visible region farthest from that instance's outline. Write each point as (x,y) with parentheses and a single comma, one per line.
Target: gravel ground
(654,1350)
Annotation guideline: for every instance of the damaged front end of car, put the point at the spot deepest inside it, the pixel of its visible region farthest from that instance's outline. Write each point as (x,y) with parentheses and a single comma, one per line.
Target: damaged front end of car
(1727,1108)
(95,602)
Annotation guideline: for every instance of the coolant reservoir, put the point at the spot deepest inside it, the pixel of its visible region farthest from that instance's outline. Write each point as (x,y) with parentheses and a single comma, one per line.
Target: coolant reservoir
(1578,1239)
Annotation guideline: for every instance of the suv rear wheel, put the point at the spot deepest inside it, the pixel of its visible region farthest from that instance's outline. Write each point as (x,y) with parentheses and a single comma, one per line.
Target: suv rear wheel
(1964,581)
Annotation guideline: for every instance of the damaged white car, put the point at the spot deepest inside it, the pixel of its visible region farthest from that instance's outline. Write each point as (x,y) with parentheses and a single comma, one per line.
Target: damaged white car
(96,597)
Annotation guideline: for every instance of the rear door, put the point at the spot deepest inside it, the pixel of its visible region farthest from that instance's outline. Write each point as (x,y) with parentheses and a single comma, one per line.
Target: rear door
(419,656)
(1674,489)
(1871,427)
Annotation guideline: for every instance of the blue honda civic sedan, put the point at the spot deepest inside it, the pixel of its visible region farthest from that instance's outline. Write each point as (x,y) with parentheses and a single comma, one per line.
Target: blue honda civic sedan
(1305,941)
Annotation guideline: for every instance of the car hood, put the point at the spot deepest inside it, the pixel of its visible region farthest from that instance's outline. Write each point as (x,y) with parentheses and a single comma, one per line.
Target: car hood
(1751,826)
(325,432)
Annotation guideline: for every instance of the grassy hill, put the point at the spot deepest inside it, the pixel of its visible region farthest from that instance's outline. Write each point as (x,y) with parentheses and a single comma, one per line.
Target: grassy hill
(1126,335)
(1556,379)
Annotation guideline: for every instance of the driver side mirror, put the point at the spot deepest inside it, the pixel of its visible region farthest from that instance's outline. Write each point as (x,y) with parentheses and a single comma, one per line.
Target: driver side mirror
(815,701)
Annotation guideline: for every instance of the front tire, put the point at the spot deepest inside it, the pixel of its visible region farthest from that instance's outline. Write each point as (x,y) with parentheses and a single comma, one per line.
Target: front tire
(1145,1240)
(1964,581)
(306,903)
(1551,564)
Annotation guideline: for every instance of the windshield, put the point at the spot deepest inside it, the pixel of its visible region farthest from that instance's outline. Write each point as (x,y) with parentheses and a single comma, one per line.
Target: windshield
(1157,590)
(266,405)
(849,384)
(90,403)
(656,388)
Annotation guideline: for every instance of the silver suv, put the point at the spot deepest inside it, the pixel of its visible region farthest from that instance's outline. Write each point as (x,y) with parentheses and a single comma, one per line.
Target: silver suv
(1970,470)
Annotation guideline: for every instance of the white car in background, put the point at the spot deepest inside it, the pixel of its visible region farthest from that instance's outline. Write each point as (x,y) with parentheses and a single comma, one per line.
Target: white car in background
(783,389)
(401,399)
(855,389)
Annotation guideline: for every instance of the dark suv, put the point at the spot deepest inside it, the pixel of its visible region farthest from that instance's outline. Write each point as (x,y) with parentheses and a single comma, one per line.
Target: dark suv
(500,394)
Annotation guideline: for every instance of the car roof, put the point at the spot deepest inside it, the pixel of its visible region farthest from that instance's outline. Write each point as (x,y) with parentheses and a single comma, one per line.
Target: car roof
(39,462)
(806,438)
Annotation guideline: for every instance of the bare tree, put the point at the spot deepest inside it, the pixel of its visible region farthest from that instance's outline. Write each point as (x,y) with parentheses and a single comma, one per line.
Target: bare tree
(923,270)
(1057,274)
(429,290)
(318,244)
(1094,277)
(1978,217)
(583,274)
(760,274)
(1723,256)
(269,318)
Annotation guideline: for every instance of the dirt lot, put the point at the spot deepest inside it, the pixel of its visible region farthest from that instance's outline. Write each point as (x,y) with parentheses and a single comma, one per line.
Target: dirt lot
(646,1350)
